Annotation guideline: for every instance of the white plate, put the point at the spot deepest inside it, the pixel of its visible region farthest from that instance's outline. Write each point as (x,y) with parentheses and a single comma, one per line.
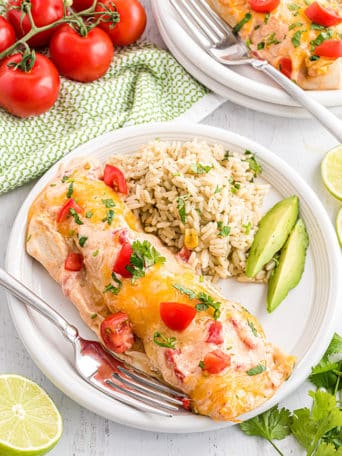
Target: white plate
(232,95)
(302,325)
(243,79)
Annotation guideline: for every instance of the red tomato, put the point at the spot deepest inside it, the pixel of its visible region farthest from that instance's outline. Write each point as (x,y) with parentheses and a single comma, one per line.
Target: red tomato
(28,93)
(73,262)
(215,362)
(114,178)
(330,48)
(176,316)
(123,260)
(81,5)
(215,335)
(116,332)
(285,66)
(64,212)
(132,21)
(44,12)
(82,58)
(322,16)
(184,254)
(7,34)
(264,6)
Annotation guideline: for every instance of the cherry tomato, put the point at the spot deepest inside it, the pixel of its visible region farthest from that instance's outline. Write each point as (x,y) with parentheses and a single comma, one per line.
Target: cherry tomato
(82,58)
(123,260)
(7,34)
(64,212)
(285,66)
(215,335)
(73,262)
(330,48)
(215,362)
(28,93)
(132,21)
(176,316)
(116,332)
(264,6)
(322,16)
(114,178)
(44,12)
(81,5)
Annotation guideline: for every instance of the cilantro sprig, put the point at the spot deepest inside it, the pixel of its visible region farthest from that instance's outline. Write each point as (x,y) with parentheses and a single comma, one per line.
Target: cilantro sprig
(115,289)
(163,341)
(254,166)
(198,168)
(144,256)
(205,301)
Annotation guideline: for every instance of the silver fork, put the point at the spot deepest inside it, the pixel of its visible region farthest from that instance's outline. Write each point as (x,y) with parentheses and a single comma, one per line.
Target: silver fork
(102,369)
(219,40)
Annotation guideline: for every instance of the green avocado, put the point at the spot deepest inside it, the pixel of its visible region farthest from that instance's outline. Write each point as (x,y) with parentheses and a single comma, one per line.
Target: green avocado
(274,228)
(289,270)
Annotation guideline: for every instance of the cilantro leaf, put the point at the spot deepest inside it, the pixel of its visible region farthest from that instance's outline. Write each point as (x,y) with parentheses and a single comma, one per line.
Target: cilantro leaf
(254,166)
(70,190)
(181,208)
(328,449)
(163,341)
(115,289)
(144,256)
(274,424)
(256,370)
(185,291)
(198,168)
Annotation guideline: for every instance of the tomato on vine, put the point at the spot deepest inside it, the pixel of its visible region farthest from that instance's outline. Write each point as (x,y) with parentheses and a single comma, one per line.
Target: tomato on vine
(43,12)
(29,84)
(7,34)
(81,55)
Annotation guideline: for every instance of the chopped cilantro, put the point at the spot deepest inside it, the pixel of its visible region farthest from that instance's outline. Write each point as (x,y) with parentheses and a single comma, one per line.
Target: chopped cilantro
(253,328)
(201,364)
(181,207)
(295,25)
(248,43)
(198,168)
(113,289)
(89,214)
(185,291)
(235,186)
(144,256)
(257,27)
(294,8)
(110,216)
(244,20)
(53,185)
(108,203)
(82,240)
(227,154)
(247,227)
(313,58)
(261,45)
(266,18)
(95,253)
(223,230)
(254,166)
(271,39)
(207,301)
(258,369)
(76,216)
(163,341)
(65,178)
(317,26)
(70,190)
(217,190)
(324,35)
(93,316)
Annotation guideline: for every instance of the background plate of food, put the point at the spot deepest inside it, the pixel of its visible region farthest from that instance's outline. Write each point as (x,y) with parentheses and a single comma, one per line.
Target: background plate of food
(202,192)
(244,79)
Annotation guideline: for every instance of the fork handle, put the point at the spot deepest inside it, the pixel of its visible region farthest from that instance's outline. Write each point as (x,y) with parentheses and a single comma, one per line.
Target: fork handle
(331,122)
(25,295)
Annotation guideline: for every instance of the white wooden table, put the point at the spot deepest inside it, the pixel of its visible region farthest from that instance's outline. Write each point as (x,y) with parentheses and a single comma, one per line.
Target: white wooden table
(302,143)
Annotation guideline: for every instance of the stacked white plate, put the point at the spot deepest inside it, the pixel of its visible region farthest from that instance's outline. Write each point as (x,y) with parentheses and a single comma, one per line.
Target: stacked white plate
(242,85)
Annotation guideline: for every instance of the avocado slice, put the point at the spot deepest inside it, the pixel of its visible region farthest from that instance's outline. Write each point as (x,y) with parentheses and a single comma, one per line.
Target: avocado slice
(274,228)
(289,270)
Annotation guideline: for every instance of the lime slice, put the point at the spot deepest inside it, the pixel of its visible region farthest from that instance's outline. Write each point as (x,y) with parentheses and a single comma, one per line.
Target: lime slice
(339,226)
(331,169)
(30,423)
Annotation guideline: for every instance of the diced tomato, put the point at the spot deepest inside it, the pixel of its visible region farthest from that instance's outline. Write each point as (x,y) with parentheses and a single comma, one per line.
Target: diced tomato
(116,332)
(186,403)
(285,66)
(171,358)
(115,179)
(73,262)
(330,48)
(264,6)
(184,254)
(322,16)
(215,362)
(64,212)
(123,236)
(177,316)
(123,260)
(215,335)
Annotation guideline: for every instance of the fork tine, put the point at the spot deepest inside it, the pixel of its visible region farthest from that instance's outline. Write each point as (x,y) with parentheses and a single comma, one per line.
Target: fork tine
(150,391)
(142,397)
(215,19)
(127,400)
(141,377)
(205,18)
(187,17)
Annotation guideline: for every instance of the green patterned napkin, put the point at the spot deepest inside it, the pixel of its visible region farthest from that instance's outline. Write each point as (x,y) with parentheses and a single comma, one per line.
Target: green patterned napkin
(144,84)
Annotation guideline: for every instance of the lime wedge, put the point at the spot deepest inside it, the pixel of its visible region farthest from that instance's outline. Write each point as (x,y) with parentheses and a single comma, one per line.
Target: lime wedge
(331,170)
(30,423)
(339,226)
